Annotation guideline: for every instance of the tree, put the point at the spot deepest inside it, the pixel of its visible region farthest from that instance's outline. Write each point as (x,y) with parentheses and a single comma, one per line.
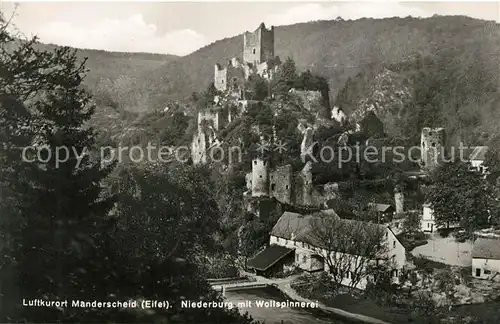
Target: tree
(62,239)
(411,223)
(58,205)
(286,77)
(459,195)
(350,248)
(258,88)
(168,205)
(372,126)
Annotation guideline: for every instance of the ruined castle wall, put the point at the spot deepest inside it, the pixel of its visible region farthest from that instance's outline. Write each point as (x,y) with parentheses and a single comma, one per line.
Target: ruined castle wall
(281,184)
(267,70)
(211,117)
(260,178)
(433,144)
(258,46)
(399,200)
(303,187)
(232,75)
(220,77)
(198,148)
(267,44)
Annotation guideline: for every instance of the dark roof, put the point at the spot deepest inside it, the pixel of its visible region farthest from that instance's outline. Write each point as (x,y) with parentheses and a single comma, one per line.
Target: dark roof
(382,207)
(267,258)
(297,227)
(485,248)
(300,228)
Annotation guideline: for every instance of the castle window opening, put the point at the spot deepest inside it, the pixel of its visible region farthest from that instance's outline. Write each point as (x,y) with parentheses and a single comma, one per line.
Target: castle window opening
(286,186)
(260,176)
(253,51)
(433,144)
(273,186)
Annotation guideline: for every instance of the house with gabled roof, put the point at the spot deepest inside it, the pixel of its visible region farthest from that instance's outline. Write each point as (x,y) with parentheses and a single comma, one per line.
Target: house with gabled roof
(293,233)
(486,258)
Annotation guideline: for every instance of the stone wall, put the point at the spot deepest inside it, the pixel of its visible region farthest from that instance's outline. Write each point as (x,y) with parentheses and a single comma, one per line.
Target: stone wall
(231,76)
(260,180)
(281,184)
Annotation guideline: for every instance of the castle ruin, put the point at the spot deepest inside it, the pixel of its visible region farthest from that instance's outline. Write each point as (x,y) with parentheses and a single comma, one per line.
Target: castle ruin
(258,59)
(433,145)
(286,186)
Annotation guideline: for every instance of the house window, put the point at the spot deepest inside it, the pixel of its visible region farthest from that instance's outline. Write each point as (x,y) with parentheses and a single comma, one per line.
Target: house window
(253,51)
(487,272)
(393,244)
(294,243)
(278,239)
(478,272)
(428,225)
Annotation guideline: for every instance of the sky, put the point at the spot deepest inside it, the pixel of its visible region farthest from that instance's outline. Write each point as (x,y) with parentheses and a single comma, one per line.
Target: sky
(182,27)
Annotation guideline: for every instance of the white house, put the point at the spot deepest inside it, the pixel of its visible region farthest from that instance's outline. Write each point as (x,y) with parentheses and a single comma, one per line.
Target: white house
(293,232)
(486,258)
(428,223)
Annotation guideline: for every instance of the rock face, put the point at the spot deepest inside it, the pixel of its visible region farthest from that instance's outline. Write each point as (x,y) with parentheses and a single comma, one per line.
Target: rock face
(307,142)
(387,90)
(338,115)
(310,100)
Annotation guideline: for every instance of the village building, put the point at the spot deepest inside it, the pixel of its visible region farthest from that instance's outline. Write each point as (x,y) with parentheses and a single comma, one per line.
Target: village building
(486,258)
(385,212)
(427,224)
(476,157)
(291,239)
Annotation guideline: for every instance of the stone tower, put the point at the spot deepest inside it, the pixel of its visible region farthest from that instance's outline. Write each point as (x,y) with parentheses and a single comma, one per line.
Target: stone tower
(433,144)
(399,199)
(260,178)
(258,46)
